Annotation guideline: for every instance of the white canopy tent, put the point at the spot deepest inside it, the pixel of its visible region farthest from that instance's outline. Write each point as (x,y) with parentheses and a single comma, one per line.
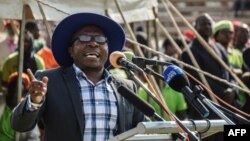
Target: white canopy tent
(133,10)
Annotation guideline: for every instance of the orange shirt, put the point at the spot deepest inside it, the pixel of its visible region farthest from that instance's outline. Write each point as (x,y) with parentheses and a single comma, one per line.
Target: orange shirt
(48,57)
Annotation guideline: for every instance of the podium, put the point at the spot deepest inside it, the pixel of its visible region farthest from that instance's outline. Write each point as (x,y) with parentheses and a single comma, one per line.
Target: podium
(159,131)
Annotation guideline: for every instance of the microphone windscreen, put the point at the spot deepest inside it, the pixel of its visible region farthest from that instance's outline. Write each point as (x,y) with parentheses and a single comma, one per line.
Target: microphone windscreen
(114,58)
(130,96)
(129,55)
(175,77)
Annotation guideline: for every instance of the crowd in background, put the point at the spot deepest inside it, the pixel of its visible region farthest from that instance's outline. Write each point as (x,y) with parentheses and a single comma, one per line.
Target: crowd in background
(228,39)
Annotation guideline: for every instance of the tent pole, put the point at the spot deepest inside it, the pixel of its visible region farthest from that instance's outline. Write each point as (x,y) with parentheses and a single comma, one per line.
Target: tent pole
(148,37)
(21,58)
(21,53)
(129,28)
(157,47)
(45,21)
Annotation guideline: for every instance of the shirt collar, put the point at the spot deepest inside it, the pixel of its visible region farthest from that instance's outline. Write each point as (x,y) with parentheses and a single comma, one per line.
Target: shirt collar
(79,73)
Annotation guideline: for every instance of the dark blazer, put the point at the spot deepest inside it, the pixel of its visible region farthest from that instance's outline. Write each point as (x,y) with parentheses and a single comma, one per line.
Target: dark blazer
(62,110)
(209,64)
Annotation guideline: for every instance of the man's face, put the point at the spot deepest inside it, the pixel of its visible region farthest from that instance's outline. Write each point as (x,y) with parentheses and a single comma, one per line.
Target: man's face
(204,27)
(225,36)
(28,42)
(242,35)
(89,48)
(35,33)
(171,51)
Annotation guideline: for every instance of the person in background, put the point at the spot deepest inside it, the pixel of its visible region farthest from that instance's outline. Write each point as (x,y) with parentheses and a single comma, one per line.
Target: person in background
(80,100)
(240,39)
(38,42)
(9,44)
(170,50)
(223,36)
(203,25)
(246,60)
(246,80)
(46,54)
(31,60)
(141,37)
(6,132)
(188,35)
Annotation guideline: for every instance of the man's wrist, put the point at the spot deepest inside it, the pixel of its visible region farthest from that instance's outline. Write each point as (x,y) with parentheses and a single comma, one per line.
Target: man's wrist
(34,106)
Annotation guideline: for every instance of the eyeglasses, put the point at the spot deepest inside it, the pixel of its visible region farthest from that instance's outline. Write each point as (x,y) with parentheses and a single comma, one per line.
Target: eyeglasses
(100,39)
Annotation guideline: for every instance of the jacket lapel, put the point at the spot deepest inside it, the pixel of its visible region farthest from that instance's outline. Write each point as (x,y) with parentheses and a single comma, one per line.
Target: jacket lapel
(120,107)
(75,94)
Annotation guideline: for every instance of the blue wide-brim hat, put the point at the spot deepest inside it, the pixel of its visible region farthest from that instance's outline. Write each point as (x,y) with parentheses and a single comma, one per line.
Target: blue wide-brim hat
(62,36)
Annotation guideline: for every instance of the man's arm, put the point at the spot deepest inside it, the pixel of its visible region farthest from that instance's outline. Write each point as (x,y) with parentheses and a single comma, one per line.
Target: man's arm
(25,115)
(23,120)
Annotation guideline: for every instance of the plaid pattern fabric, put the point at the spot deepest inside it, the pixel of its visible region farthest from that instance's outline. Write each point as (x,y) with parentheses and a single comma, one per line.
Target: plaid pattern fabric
(99,107)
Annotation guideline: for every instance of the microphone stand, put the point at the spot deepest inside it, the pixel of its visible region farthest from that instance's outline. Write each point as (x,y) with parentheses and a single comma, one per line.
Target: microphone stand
(152,72)
(197,91)
(140,61)
(191,136)
(230,113)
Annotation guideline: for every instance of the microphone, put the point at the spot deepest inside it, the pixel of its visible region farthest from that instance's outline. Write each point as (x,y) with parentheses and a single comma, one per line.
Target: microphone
(144,107)
(177,80)
(118,60)
(141,61)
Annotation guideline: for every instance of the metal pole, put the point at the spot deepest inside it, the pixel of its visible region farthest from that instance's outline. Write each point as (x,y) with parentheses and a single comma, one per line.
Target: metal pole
(217,111)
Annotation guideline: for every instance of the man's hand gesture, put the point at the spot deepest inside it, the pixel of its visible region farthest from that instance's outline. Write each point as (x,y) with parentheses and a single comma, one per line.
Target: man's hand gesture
(38,88)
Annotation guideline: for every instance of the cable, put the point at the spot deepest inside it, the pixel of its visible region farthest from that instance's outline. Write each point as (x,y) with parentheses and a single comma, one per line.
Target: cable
(195,127)
(207,128)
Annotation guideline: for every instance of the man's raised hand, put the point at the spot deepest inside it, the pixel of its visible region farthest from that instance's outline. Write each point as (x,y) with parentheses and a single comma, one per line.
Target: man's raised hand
(38,88)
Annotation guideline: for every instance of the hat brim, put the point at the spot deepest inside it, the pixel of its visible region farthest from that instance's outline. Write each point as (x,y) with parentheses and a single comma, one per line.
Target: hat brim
(62,36)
